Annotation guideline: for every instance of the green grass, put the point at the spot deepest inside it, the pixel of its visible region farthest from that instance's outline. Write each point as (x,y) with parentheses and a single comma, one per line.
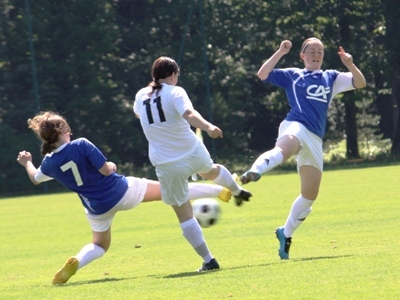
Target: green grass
(346,249)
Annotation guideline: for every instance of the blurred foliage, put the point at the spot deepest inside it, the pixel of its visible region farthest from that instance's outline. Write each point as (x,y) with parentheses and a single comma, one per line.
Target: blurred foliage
(91,57)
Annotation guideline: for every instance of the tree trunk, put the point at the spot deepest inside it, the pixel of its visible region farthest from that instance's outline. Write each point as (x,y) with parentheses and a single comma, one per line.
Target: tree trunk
(350,106)
(351,128)
(395,97)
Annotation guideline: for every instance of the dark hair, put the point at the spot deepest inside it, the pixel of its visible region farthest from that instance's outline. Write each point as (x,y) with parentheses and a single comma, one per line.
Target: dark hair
(48,126)
(163,67)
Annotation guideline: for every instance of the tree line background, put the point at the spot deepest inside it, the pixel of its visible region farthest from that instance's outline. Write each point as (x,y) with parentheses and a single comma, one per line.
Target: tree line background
(87,59)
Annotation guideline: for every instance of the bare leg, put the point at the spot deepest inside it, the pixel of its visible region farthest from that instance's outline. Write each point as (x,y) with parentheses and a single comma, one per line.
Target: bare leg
(196,191)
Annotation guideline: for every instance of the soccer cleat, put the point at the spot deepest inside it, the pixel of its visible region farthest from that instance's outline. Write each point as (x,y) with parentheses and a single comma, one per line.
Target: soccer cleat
(212,265)
(225,195)
(250,176)
(284,243)
(70,267)
(243,196)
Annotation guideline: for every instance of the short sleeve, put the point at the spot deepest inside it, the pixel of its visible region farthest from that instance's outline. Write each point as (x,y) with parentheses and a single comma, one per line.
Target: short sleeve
(181,100)
(343,83)
(40,177)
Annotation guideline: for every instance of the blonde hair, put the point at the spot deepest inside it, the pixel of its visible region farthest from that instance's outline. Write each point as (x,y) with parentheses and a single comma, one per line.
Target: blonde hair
(307,42)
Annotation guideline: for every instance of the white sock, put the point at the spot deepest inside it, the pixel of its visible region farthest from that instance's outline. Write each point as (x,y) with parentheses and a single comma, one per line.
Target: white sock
(225,179)
(268,160)
(203,190)
(193,233)
(301,208)
(89,253)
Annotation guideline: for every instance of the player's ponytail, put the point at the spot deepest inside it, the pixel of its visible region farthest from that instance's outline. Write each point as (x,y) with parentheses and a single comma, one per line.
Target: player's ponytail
(48,126)
(163,67)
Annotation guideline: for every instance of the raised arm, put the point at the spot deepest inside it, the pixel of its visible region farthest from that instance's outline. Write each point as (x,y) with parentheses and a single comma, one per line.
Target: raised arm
(358,77)
(270,64)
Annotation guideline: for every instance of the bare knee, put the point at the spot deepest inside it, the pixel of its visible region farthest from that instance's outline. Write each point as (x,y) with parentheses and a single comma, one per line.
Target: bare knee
(310,182)
(310,194)
(288,145)
(212,174)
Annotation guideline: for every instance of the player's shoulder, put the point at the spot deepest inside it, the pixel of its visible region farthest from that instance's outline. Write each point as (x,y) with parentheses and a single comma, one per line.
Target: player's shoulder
(292,70)
(178,91)
(331,72)
(143,91)
(82,142)
(289,71)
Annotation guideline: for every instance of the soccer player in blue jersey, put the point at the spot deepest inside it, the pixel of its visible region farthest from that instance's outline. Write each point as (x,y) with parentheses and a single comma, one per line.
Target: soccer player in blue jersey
(81,167)
(310,92)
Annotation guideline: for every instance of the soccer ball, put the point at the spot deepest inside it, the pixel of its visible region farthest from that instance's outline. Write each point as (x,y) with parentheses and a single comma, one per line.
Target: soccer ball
(206,211)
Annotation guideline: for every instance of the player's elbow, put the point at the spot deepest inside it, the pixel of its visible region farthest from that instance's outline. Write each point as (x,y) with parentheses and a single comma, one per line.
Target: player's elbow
(188,113)
(362,85)
(262,76)
(107,173)
(108,168)
(359,83)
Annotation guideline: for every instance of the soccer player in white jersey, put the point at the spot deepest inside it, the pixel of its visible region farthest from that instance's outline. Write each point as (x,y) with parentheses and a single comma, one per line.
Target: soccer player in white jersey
(81,167)
(310,92)
(166,114)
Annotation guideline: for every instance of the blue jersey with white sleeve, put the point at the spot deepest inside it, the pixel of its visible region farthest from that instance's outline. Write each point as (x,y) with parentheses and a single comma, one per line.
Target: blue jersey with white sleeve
(76,166)
(310,94)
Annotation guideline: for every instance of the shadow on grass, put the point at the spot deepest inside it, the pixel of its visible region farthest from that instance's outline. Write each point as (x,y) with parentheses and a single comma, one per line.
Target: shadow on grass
(194,273)
(94,281)
(320,257)
(189,274)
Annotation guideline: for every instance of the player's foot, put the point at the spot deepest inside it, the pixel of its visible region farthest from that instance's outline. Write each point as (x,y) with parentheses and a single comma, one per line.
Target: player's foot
(212,265)
(225,195)
(250,176)
(243,196)
(70,267)
(284,243)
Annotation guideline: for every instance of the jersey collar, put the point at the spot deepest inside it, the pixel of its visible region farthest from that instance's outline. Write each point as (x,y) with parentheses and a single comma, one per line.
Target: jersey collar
(60,148)
(312,72)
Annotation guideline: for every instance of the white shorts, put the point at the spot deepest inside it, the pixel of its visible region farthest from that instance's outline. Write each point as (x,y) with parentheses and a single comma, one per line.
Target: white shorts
(173,176)
(133,197)
(311,153)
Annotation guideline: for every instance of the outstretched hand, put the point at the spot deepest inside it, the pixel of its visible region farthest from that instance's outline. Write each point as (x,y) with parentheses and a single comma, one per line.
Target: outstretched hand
(346,58)
(24,157)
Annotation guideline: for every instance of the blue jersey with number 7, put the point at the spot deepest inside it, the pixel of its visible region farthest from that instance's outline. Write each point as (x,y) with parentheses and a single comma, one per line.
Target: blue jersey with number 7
(76,166)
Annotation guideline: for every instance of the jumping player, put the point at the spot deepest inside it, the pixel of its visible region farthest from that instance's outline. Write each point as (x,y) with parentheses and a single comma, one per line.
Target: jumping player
(310,92)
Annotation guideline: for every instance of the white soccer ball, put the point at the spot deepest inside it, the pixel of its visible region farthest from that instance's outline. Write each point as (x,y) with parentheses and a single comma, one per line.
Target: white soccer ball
(207,211)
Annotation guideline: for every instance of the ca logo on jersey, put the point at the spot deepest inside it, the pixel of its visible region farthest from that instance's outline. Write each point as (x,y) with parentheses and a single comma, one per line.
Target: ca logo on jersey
(318,93)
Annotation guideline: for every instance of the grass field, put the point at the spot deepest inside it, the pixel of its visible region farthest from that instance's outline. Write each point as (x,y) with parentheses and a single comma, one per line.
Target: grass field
(346,249)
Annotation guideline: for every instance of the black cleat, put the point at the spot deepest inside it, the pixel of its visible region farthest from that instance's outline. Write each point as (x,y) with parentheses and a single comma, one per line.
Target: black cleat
(243,196)
(212,265)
